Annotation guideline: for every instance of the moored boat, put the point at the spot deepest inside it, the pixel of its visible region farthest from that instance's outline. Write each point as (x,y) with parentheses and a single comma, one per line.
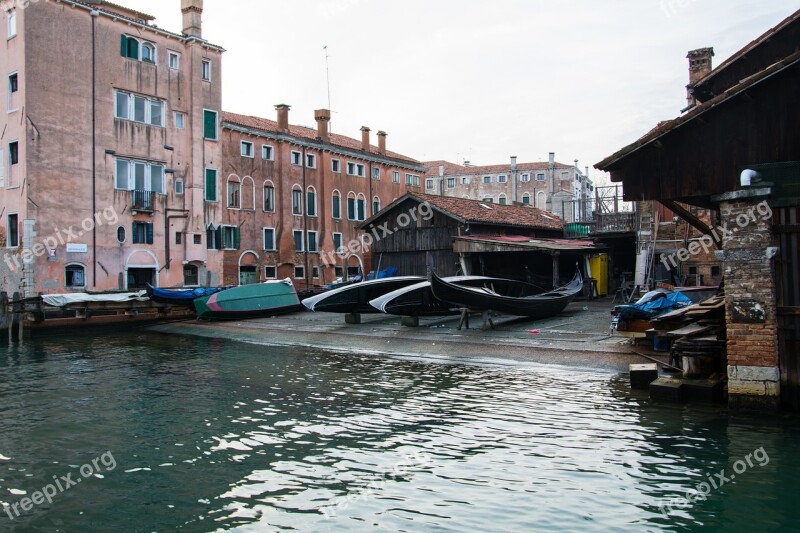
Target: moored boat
(512,297)
(418,299)
(184,297)
(355,298)
(249,301)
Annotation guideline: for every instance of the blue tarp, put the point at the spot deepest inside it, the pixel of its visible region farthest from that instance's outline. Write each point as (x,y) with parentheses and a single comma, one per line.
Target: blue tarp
(658,304)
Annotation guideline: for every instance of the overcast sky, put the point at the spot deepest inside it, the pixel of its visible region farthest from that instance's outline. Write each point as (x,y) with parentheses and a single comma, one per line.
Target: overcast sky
(474,79)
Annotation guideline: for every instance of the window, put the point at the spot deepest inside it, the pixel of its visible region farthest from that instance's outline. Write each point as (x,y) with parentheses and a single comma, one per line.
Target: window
(269,197)
(11,19)
(315,272)
(311,161)
(311,202)
(139,109)
(526,199)
(488,200)
(148,53)
(413,180)
(174,60)
(139,176)
(376,205)
(502,178)
(540,176)
(180,120)
(13,87)
(336,165)
(376,173)
(502,199)
(451,183)
(355,169)
(190,276)
(525,177)
(178,186)
(337,242)
(266,152)
(270,272)
(296,158)
(395,177)
(198,239)
(361,207)
(210,124)
(312,241)
(336,205)
(74,276)
(464,180)
(269,239)
(13,231)
(13,153)
(299,272)
(132,48)
(234,194)
(429,184)
(211,185)
(205,70)
(487,179)
(178,238)
(298,240)
(230,237)
(2,169)
(247,149)
(121,234)
(565,174)
(142,233)
(297,202)
(338,272)
(351,206)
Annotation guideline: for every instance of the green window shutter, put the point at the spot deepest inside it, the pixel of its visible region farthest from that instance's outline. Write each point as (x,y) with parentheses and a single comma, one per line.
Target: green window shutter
(211,185)
(148,230)
(135,234)
(133,48)
(210,125)
(123,48)
(351,208)
(236,238)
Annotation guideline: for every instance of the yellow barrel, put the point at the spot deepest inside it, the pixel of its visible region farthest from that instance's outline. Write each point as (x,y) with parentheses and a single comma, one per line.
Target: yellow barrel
(598,264)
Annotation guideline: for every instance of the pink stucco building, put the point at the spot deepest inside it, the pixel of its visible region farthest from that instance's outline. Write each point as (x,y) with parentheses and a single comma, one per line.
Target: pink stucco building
(110,139)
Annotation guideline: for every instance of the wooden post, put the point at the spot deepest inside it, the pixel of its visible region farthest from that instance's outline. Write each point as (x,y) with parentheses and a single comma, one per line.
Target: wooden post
(555,270)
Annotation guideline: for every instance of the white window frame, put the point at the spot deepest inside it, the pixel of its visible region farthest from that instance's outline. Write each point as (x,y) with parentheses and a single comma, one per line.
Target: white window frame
(525,177)
(11,24)
(299,211)
(302,269)
(487,179)
(131,108)
(247,149)
(222,236)
(176,64)
(311,161)
(267,152)
(295,232)
(268,276)
(340,248)
(216,124)
(263,199)
(237,196)
(180,124)
(179,188)
(429,184)
(464,180)
(502,178)
(147,45)
(148,175)
(451,183)
(205,70)
(376,173)
(297,158)
(314,272)
(541,176)
(395,176)
(336,166)
(11,107)
(264,238)
(308,241)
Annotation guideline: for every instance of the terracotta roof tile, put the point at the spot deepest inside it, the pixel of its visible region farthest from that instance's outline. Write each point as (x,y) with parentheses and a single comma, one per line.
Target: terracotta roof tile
(454,169)
(475,211)
(270,126)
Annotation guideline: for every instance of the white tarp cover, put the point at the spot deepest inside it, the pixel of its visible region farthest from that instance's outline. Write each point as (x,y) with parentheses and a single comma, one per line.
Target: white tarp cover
(60,300)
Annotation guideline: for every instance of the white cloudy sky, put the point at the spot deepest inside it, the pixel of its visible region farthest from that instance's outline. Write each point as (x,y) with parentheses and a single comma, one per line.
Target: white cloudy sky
(474,79)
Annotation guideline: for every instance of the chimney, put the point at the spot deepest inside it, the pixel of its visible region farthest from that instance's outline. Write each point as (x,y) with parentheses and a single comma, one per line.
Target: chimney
(283,117)
(365,138)
(552,172)
(699,67)
(192,17)
(322,116)
(382,142)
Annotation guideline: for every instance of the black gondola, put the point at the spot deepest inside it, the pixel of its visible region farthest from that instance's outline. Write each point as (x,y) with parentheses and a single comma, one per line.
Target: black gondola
(514,297)
(355,298)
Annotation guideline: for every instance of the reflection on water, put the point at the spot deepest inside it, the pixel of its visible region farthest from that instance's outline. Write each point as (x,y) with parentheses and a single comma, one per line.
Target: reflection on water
(213,435)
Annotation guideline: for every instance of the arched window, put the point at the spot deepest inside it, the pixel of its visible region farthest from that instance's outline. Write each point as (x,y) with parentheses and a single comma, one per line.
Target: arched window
(148,53)
(336,205)
(248,193)
(361,207)
(269,196)
(234,192)
(297,200)
(541,200)
(351,206)
(311,202)
(526,199)
(75,276)
(502,199)
(376,204)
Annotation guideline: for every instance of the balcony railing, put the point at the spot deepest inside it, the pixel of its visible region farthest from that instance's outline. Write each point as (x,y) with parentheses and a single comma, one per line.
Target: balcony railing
(142,200)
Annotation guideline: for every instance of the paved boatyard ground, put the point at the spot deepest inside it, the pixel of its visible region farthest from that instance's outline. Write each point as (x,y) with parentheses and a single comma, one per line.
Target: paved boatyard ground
(578,337)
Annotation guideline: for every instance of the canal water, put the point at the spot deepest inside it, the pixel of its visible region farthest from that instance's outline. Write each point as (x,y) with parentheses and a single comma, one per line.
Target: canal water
(140,432)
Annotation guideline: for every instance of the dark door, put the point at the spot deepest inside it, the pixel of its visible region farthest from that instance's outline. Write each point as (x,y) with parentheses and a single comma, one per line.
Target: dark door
(787,235)
(139,278)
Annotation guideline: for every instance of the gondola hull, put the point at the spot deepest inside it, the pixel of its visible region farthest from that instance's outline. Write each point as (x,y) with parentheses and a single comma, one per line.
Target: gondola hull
(514,298)
(355,298)
(249,301)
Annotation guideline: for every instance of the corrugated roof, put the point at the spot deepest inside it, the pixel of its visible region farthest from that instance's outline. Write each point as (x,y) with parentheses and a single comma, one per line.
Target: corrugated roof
(454,169)
(477,212)
(301,132)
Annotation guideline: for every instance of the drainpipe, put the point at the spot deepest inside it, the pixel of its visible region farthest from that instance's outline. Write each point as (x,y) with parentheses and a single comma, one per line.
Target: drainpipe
(94,13)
